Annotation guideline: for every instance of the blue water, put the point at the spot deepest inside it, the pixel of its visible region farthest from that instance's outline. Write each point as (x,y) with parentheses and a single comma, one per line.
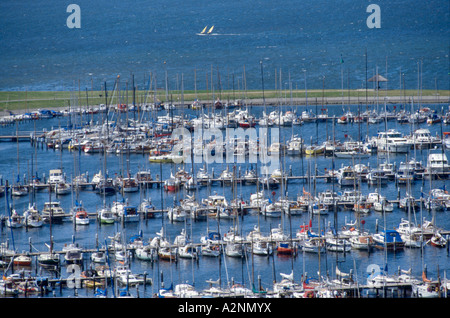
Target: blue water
(40,160)
(39,52)
(303,39)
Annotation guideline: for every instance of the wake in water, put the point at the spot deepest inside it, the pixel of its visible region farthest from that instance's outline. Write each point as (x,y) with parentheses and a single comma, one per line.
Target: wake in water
(219,34)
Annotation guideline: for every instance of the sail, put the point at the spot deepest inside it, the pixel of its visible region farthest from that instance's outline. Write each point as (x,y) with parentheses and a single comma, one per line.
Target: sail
(204,30)
(210,30)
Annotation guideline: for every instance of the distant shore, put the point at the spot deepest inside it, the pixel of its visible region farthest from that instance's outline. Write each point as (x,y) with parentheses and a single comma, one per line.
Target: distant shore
(20,101)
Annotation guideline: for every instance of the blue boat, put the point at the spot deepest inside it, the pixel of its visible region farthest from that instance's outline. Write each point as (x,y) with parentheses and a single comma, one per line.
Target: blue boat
(389,239)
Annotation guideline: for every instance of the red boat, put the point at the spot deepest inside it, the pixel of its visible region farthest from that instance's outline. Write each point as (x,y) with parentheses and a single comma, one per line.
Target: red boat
(22,260)
(284,248)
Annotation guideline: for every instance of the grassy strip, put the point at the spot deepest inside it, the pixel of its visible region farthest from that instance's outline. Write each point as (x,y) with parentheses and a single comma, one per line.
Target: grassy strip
(20,100)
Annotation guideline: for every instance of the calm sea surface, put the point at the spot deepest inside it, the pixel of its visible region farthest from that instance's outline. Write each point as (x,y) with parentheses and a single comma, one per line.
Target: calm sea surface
(39,51)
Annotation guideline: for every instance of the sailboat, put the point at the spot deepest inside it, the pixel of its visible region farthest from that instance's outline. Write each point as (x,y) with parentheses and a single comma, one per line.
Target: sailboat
(204,32)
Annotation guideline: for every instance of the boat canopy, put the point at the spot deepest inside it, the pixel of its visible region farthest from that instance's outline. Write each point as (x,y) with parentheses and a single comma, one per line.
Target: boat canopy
(391,235)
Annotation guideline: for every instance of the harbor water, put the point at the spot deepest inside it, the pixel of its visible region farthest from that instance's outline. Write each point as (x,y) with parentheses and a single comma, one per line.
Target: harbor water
(20,160)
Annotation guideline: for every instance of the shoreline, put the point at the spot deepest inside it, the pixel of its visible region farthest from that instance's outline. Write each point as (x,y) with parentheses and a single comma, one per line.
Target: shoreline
(22,102)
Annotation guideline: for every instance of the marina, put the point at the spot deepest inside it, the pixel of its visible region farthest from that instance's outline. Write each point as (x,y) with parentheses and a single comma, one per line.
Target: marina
(357,210)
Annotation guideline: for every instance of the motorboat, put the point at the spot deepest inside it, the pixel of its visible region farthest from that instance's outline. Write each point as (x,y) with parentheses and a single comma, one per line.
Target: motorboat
(98,257)
(62,188)
(177,214)
(129,185)
(377,177)
(389,239)
(421,138)
(54,211)
(125,276)
(392,141)
(146,253)
(73,254)
(362,241)
(346,176)
(233,249)
(105,216)
(295,146)
(437,164)
(80,215)
(261,247)
(129,213)
(56,176)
